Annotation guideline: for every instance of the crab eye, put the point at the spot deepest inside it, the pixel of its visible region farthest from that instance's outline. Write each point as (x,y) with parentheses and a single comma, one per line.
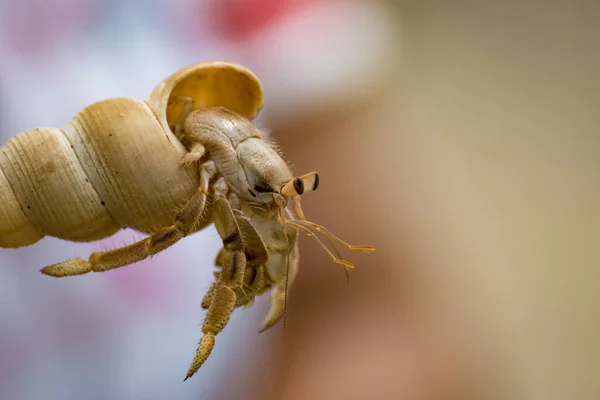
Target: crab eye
(299,185)
(262,188)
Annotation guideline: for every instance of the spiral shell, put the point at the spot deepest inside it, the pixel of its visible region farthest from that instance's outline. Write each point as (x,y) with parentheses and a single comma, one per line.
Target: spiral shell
(115,164)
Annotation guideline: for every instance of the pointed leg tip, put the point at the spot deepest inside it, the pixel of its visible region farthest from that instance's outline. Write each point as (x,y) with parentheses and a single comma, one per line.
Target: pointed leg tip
(73,267)
(190,374)
(266,326)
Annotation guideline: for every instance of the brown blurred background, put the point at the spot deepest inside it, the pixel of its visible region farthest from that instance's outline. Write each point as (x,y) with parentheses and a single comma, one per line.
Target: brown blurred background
(476,175)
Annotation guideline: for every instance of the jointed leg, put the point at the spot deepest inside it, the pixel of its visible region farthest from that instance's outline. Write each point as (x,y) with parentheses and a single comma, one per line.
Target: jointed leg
(254,281)
(258,281)
(183,225)
(197,150)
(233,264)
(254,284)
(194,155)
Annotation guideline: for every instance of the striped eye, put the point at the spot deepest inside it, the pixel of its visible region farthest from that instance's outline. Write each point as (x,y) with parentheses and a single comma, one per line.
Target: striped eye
(299,185)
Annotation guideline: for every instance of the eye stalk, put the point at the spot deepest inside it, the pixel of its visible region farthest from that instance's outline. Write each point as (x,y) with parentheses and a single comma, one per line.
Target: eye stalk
(294,188)
(298,186)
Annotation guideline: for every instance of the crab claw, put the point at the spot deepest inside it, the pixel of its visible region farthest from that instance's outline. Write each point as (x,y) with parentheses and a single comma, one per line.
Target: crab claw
(277,308)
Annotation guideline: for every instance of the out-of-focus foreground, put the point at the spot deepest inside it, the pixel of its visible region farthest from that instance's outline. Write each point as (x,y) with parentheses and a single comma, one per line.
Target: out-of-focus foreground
(460,138)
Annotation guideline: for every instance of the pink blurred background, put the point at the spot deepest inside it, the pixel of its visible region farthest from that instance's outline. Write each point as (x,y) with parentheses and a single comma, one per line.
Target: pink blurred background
(460,138)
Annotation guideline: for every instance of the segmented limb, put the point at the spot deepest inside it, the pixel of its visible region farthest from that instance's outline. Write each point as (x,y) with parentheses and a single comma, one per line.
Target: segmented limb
(233,266)
(254,282)
(194,155)
(257,282)
(256,250)
(183,225)
(197,150)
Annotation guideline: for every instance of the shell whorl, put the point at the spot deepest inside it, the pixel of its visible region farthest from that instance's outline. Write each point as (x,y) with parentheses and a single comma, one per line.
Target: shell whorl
(115,164)
(88,180)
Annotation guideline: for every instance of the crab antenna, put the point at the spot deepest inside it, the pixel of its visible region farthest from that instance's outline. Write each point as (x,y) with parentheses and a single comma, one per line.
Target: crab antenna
(294,188)
(310,233)
(331,236)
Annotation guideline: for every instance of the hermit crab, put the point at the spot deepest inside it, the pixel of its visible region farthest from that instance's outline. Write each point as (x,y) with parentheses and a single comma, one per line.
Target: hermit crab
(183,159)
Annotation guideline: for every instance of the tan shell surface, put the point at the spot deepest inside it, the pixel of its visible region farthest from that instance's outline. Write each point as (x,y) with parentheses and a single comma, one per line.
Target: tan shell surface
(51,188)
(209,84)
(15,229)
(132,162)
(111,166)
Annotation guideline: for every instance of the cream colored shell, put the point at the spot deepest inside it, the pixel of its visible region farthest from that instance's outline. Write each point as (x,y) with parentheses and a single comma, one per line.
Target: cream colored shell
(115,164)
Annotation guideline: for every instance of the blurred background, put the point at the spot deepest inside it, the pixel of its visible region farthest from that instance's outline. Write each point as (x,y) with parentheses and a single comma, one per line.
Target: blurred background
(460,138)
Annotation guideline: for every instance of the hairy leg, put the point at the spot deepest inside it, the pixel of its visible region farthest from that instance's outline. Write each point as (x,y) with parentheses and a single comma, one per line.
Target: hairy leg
(197,150)
(254,284)
(194,155)
(183,225)
(233,265)
(254,281)
(256,278)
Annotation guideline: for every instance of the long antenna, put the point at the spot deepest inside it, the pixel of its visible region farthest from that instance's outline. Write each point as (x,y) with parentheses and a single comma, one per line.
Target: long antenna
(287,265)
